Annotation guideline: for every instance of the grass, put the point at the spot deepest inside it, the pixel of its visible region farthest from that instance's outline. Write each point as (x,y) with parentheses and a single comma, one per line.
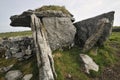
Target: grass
(26,67)
(53,7)
(115,37)
(68,62)
(13,34)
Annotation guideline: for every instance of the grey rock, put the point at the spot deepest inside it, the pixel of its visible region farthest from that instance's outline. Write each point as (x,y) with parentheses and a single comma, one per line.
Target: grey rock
(24,19)
(91,41)
(8,54)
(5,69)
(89,63)
(28,51)
(86,28)
(27,77)
(60,32)
(6,43)
(18,55)
(13,75)
(18,47)
(14,49)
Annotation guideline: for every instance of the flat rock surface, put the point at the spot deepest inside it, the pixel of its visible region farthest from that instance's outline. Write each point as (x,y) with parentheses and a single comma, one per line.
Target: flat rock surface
(13,75)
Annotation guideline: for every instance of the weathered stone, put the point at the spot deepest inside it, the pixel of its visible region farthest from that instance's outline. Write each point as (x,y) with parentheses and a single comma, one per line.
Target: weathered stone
(18,55)
(8,54)
(27,77)
(24,18)
(60,31)
(91,41)
(89,63)
(43,52)
(13,75)
(5,69)
(86,28)
(28,51)
(18,47)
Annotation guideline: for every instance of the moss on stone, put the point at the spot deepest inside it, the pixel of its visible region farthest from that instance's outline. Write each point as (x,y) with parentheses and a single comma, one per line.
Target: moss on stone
(54,7)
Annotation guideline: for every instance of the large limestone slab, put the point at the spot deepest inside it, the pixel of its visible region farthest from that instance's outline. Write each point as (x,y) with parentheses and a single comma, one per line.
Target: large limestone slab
(60,31)
(86,28)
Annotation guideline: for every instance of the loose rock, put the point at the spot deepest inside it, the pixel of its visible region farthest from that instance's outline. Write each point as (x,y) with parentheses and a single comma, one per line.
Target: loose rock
(27,77)
(13,75)
(89,63)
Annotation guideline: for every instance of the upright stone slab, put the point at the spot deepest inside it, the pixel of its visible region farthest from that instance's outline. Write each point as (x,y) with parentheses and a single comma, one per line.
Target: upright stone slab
(86,28)
(43,51)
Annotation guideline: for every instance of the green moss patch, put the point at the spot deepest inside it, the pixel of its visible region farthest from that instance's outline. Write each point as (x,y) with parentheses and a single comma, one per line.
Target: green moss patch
(53,7)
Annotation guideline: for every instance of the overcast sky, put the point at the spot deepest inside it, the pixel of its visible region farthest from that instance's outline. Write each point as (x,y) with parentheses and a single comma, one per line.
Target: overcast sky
(81,9)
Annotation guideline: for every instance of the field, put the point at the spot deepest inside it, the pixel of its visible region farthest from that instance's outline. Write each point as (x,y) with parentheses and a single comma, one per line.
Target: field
(68,64)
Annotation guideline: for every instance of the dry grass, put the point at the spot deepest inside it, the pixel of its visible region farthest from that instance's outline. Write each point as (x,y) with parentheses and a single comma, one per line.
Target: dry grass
(53,7)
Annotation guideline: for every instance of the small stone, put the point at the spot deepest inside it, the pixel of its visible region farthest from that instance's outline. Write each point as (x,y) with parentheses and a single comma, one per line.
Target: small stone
(27,77)
(13,75)
(8,54)
(69,76)
(18,55)
(28,51)
(89,63)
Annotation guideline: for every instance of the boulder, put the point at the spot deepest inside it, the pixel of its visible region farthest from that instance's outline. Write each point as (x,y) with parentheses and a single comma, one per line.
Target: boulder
(27,77)
(60,31)
(89,27)
(91,41)
(13,75)
(89,63)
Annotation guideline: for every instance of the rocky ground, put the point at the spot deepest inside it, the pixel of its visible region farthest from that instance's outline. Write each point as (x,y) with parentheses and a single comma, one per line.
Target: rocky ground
(67,63)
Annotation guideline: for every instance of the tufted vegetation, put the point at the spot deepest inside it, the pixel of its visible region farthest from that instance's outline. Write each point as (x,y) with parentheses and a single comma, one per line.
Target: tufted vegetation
(54,7)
